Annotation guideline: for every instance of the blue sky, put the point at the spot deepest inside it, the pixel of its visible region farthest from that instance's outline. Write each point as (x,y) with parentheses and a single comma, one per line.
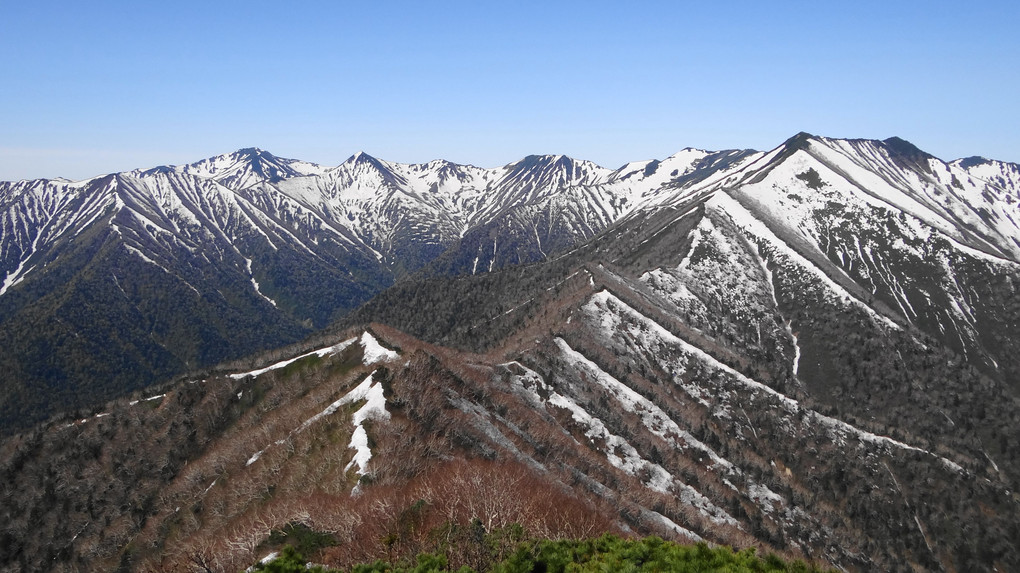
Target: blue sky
(91,88)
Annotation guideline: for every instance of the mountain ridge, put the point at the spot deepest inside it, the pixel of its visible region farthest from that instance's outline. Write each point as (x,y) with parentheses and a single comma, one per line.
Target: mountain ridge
(298,245)
(812,350)
(284,242)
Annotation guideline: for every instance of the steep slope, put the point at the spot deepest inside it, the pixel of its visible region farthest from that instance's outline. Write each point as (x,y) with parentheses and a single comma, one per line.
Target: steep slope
(604,393)
(530,231)
(114,283)
(129,279)
(917,239)
(808,318)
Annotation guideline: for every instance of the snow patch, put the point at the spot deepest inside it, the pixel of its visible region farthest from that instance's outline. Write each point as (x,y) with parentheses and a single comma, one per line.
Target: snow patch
(375,352)
(320,353)
(618,450)
(374,409)
(672,526)
(763,497)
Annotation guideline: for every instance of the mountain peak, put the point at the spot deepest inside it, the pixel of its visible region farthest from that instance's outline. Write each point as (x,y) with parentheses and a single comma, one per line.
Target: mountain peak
(363,159)
(906,154)
(973,161)
(360,157)
(249,165)
(253,152)
(905,148)
(799,141)
(244,155)
(545,161)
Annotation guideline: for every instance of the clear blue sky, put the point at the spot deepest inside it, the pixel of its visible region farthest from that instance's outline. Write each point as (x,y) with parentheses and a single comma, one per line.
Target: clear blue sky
(94,87)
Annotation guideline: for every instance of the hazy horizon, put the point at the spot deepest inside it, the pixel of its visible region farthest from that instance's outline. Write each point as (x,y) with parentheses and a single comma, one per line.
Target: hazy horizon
(94,89)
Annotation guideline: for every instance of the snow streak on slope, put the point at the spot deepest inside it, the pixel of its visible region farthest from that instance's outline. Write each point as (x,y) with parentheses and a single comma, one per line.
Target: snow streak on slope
(618,321)
(723,289)
(651,415)
(887,227)
(35,214)
(374,409)
(15,277)
(1003,176)
(368,390)
(895,176)
(746,220)
(619,452)
(329,350)
(255,283)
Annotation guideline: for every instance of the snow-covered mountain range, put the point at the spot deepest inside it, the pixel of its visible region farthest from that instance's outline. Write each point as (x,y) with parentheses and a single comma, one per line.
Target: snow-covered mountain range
(147,273)
(829,332)
(250,199)
(136,276)
(813,350)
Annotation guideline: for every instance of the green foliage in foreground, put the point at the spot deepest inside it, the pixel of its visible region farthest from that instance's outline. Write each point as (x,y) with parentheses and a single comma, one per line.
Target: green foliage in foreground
(607,553)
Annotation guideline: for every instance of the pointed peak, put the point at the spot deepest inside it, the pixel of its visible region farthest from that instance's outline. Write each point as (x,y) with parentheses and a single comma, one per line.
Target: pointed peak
(249,154)
(252,151)
(972,161)
(904,147)
(907,155)
(799,141)
(161,170)
(363,159)
(543,160)
(254,154)
(360,157)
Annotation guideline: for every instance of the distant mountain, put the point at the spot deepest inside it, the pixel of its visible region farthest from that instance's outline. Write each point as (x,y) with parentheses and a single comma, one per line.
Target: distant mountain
(120,281)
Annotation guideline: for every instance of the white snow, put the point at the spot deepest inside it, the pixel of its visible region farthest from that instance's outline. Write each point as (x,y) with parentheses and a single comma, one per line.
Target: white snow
(149,399)
(247,264)
(994,465)
(374,409)
(672,526)
(138,253)
(375,352)
(763,497)
(651,415)
(745,219)
(619,452)
(320,353)
(796,347)
(607,311)
(362,453)
(15,277)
